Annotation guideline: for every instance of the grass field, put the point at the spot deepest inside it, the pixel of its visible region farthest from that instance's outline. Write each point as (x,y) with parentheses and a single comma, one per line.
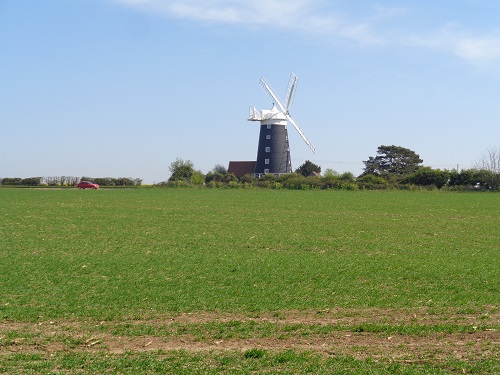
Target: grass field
(253,281)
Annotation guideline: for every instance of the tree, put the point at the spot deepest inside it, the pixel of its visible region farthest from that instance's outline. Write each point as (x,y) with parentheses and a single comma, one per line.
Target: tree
(219,168)
(31,181)
(308,168)
(489,166)
(392,160)
(53,180)
(330,173)
(12,181)
(198,178)
(489,161)
(73,181)
(181,170)
(488,179)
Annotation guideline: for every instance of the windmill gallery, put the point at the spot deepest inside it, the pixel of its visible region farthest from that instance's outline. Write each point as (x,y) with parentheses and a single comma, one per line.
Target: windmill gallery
(273,152)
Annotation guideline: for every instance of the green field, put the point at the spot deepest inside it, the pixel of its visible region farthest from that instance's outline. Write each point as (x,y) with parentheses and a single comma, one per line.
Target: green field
(210,281)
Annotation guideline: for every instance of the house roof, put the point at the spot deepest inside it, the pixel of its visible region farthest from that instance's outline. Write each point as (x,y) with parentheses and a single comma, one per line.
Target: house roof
(241,168)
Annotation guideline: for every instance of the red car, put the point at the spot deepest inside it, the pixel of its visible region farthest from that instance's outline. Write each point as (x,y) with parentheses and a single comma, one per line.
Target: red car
(87,185)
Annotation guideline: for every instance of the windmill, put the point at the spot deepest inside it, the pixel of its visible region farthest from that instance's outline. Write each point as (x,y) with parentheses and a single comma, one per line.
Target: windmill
(273,153)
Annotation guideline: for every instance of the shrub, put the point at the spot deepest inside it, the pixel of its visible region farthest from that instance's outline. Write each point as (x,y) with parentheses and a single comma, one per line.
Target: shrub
(228,177)
(315,182)
(264,183)
(347,176)
(254,353)
(248,178)
(277,186)
(349,186)
(463,178)
(372,182)
(31,181)
(294,181)
(330,181)
(198,178)
(269,177)
(12,181)
(213,176)
(426,176)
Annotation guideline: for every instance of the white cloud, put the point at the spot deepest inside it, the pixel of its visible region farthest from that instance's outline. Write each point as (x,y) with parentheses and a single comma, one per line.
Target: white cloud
(205,13)
(295,15)
(476,50)
(479,50)
(321,17)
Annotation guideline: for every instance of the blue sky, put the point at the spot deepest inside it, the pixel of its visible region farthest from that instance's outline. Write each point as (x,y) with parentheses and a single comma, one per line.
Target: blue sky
(121,88)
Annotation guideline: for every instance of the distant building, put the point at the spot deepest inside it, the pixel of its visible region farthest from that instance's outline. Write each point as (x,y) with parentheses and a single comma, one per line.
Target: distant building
(241,168)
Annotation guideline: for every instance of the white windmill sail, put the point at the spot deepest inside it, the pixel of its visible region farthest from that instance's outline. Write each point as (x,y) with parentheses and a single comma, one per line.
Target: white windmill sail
(292,85)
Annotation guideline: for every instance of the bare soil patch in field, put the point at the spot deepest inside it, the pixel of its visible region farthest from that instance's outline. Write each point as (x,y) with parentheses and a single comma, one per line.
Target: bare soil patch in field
(67,336)
(345,317)
(358,345)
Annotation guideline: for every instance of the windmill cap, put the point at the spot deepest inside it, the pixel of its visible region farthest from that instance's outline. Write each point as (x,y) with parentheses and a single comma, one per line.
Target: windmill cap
(274,113)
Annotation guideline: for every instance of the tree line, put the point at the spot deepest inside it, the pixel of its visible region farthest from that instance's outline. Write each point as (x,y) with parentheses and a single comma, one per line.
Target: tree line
(69,181)
(393,167)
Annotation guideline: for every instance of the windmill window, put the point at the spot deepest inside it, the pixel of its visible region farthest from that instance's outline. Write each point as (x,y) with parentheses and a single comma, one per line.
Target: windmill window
(268,136)
(268,149)
(269,126)
(266,161)
(266,170)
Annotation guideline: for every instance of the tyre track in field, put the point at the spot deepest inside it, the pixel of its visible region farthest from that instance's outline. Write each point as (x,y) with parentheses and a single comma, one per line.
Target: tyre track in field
(80,336)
